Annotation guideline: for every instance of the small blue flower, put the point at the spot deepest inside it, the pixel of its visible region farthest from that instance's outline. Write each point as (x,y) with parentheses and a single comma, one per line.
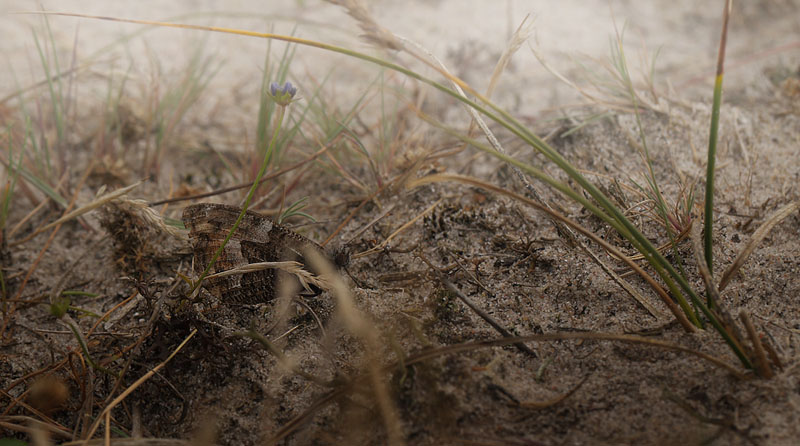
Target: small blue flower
(282,95)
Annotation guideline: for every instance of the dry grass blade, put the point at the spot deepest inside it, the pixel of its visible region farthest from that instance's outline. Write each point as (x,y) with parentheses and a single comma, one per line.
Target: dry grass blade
(484,315)
(14,424)
(712,292)
(295,268)
(757,237)
(552,402)
(133,387)
(93,205)
(48,422)
(724,424)
(762,364)
(27,217)
(370,224)
(32,268)
(632,339)
(352,213)
(263,181)
(148,215)
(429,354)
(520,36)
(360,327)
(633,292)
(476,117)
(82,210)
(108,313)
(568,82)
(676,312)
(304,417)
(39,436)
(397,232)
(282,359)
(373,32)
(64,74)
(667,245)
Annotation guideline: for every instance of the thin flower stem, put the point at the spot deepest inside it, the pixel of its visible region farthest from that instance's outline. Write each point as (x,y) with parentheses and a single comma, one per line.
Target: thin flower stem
(267,156)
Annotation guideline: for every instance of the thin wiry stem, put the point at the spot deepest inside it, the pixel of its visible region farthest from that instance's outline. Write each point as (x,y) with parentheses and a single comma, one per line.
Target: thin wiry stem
(248,199)
(712,141)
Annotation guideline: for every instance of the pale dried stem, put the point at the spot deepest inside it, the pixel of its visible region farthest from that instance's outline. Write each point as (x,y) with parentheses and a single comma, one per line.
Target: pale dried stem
(361,328)
(305,277)
(762,364)
(83,209)
(712,292)
(397,232)
(757,237)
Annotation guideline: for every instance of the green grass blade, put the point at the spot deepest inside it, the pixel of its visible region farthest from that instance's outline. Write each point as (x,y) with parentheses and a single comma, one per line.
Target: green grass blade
(708,222)
(708,241)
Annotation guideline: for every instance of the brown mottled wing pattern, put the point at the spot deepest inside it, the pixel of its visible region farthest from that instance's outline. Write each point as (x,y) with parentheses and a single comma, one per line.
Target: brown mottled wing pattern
(257,239)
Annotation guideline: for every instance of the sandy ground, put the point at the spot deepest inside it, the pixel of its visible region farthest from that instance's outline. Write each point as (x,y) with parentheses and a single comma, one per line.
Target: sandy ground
(476,31)
(504,256)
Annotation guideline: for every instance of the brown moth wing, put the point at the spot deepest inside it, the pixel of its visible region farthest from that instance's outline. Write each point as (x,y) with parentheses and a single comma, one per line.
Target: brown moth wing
(257,239)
